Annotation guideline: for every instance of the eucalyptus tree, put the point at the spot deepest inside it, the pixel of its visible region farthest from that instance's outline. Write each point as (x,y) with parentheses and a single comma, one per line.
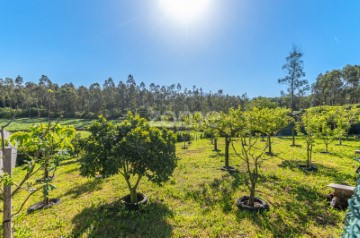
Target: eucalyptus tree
(109,94)
(328,88)
(351,77)
(96,101)
(67,100)
(294,79)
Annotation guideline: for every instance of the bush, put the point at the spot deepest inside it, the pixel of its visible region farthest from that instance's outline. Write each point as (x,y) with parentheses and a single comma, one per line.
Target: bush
(182,136)
(133,149)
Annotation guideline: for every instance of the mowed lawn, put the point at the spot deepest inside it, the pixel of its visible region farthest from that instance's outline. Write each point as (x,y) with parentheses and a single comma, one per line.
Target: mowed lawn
(199,200)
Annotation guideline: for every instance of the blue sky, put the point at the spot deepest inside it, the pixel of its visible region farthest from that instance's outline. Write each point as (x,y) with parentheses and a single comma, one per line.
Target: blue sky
(236,45)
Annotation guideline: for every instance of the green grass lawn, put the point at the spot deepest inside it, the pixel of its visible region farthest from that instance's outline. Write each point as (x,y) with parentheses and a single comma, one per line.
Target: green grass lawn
(199,200)
(22,124)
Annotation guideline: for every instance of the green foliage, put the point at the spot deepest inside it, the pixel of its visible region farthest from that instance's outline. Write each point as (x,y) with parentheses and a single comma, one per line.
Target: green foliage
(344,118)
(132,148)
(262,102)
(227,125)
(45,145)
(352,220)
(252,153)
(324,119)
(268,121)
(182,136)
(5,179)
(311,127)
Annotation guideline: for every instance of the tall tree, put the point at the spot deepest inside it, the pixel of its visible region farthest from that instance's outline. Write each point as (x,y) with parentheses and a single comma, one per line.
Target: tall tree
(294,67)
(351,76)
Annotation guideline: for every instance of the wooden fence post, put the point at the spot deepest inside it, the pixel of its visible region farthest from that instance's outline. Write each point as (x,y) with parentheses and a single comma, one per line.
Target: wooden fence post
(7,222)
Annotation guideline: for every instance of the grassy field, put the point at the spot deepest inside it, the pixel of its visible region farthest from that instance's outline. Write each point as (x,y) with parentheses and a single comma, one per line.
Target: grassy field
(199,201)
(22,124)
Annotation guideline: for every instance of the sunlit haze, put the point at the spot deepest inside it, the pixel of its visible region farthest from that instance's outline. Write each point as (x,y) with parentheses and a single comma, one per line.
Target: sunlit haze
(184,11)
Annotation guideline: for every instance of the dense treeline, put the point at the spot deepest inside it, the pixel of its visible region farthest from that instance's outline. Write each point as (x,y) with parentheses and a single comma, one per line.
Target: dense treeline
(36,99)
(336,87)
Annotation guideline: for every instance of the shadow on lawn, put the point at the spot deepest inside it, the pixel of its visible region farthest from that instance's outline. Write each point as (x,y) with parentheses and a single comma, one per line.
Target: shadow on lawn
(218,192)
(88,187)
(335,175)
(113,220)
(303,206)
(68,162)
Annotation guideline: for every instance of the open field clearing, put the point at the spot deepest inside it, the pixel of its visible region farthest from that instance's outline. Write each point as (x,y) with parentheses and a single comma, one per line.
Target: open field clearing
(23,124)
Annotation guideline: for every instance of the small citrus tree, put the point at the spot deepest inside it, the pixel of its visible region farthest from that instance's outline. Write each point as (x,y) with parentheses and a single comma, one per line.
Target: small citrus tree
(226,125)
(344,117)
(310,123)
(324,116)
(252,154)
(133,149)
(270,121)
(45,145)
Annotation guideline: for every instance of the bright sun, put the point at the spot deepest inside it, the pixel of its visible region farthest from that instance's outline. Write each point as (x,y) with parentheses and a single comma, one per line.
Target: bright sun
(185,11)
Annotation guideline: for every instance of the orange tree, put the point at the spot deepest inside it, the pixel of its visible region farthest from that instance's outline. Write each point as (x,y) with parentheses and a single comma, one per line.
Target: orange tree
(133,149)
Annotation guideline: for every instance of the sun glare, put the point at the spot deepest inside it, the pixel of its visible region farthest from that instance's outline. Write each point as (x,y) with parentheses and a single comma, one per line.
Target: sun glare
(185,11)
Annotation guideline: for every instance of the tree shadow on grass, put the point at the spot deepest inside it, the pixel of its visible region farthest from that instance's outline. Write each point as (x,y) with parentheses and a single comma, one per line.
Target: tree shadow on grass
(68,162)
(291,216)
(113,220)
(88,187)
(218,192)
(333,173)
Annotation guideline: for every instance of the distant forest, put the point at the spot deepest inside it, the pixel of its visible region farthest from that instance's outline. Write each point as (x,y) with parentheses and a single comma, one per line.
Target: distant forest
(335,87)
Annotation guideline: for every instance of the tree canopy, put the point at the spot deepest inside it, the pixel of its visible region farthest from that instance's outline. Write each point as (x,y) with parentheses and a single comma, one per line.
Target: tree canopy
(131,148)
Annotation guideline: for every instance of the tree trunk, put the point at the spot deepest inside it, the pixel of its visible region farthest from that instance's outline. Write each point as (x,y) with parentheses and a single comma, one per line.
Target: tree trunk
(133,195)
(340,141)
(309,153)
(7,204)
(326,147)
(46,196)
(227,144)
(215,144)
(252,195)
(269,144)
(293,136)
